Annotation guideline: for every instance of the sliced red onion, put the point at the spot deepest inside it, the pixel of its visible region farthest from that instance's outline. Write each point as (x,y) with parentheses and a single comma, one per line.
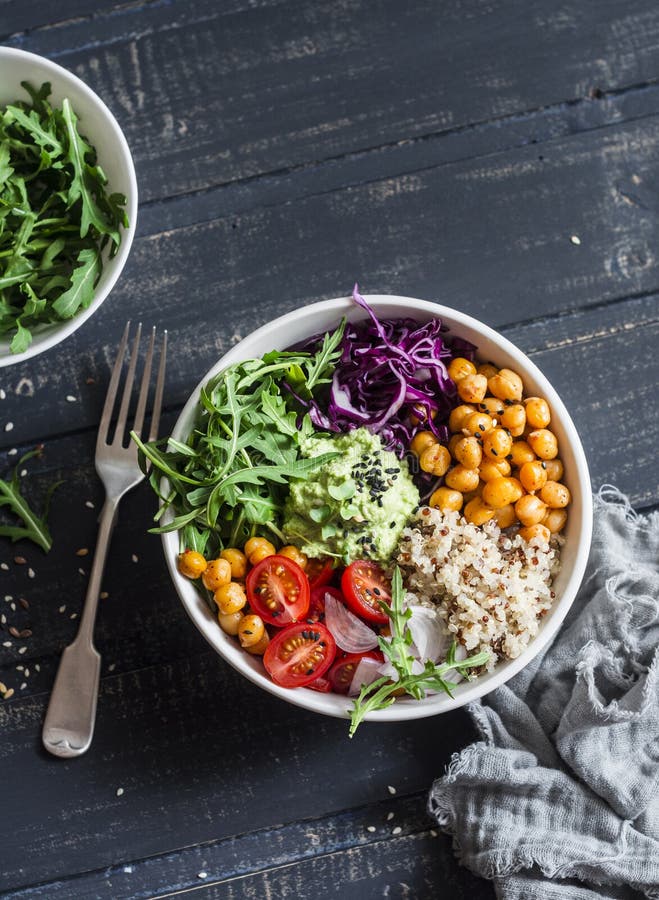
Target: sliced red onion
(349,632)
(427,634)
(453,675)
(367,671)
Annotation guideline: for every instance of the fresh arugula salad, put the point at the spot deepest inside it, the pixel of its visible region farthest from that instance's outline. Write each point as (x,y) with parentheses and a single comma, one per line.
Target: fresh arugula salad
(56,217)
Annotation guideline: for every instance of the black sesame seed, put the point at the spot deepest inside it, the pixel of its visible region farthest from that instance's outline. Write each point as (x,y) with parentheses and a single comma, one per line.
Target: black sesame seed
(494,451)
(509,402)
(481,427)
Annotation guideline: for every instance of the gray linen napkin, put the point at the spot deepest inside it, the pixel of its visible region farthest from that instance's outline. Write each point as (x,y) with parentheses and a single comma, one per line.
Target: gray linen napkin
(560,798)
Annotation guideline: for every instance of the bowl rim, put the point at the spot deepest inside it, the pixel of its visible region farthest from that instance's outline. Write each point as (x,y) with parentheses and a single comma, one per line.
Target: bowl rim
(466,692)
(55,333)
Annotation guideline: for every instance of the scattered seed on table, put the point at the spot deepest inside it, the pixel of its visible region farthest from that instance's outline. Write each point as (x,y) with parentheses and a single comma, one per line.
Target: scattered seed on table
(9,693)
(9,426)
(70,398)
(392,790)
(23,473)
(202,875)
(31,573)
(396,830)
(83,551)
(25,633)
(23,602)
(104,595)
(20,560)
(8,598)
(19,668)
(119,792)
(27,673)
(575,239)
(433,832)
(14,632)
(23,685)
(6,643)
(112,667)
(89,504)
(37,667)
(12,452)
(3,619)
(81,571)
(13,607)
(4,567)
(2,394)
(370,828)
(22,649)
(390,816)
(3,688)
(62,608)
(73,616)
(135,558)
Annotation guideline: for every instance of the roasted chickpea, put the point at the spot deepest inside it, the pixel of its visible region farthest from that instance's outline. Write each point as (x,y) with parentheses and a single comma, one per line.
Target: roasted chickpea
(493,468)
(535,533)
(533,475)
(514,419)
(501,491)
(454,440)
(497,443)
(292,552)
(468,452)
(543,443)
(492,407)
(230,598)
(477,424)
(505,516)
(420,414)
(458,415)
(216,573)
(237,560)
(537,412)
(477,513)
(506,385)
(421,441)
(260,648)
(444,498)
(435,459)
(191,564)
(460,367)
(250,630)
(257,543)
(462,479)
(555,495)
(487,369)
(555,520)
(530,510)
(230,622)
(554,469)
(472,388)
(521,453)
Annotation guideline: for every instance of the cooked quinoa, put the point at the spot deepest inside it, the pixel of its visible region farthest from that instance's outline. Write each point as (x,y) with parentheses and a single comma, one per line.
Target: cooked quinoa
(490,588)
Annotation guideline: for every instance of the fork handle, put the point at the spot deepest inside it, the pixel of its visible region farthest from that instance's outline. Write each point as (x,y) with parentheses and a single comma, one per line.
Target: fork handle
(69,724)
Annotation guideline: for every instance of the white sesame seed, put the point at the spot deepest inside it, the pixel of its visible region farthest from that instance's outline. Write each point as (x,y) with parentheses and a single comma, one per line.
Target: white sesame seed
(37,667)
(23,685)
(8,598)
(370,828)
(104,595)
(81,571)
(3,619)
(202,875)
(112,667)
(27,673)
(19,668)
(23,473)
(433,832)
(12,452)
(73,616)
(2,394)
(392,790)
(22,649)
(89,504)
(62,608)
(119,792)
(31,573)
(575,239)
(9,426)
(396,830)
(4,567)
(6,643)
(135,558)
(70,398)
(390,816)
(13,607)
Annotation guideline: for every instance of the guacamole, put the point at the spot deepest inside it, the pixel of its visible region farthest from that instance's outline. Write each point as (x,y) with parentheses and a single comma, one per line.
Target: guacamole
(354,507)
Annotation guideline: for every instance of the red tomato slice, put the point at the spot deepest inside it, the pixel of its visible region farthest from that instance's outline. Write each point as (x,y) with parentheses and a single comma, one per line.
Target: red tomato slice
(278,590)
(317,603)
(343,670)
(299,654)
(364,583)
(319,571)
(322,685)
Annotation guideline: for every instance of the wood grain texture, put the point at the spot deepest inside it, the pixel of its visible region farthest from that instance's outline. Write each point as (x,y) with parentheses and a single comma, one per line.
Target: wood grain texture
(208,96)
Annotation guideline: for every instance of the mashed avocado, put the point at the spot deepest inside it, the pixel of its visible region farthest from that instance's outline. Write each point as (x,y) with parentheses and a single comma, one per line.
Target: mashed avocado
(355,506)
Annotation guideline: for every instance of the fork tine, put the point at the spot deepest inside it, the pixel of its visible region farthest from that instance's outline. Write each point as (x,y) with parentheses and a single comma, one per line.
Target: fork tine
(144,387)
(160,384)
(111,395)
(128,387)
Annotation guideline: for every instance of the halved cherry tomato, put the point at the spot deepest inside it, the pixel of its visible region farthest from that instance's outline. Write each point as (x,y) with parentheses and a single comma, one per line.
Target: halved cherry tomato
(343,670)
(299,654)
(278,590)
(317,603)
(319,571)
(364,583)
(322,685)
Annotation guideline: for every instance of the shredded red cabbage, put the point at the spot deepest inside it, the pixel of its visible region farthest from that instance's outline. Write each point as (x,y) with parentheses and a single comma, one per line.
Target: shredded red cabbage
(390,370)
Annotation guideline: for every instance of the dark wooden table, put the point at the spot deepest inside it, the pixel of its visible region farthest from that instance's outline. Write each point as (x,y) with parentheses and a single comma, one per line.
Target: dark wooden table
(502,158)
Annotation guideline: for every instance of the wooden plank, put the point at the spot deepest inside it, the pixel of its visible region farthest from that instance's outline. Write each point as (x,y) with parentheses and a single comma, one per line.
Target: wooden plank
(195,868)
(207,97)
(491,237)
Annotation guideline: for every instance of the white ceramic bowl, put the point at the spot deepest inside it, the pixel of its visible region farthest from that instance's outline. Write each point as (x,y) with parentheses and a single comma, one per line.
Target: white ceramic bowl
(99,126)
(319,317)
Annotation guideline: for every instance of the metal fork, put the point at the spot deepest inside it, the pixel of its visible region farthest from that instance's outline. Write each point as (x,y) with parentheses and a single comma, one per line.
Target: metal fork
(69,724)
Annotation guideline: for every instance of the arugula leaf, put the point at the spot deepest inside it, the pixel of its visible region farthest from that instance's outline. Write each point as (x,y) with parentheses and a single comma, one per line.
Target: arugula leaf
(33,527)
(382,693)
(56,217)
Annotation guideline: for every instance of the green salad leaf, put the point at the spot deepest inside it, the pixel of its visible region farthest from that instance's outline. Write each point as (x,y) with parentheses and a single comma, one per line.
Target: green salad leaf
(382,692)
(32,526)
(230,478)
(56,217)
